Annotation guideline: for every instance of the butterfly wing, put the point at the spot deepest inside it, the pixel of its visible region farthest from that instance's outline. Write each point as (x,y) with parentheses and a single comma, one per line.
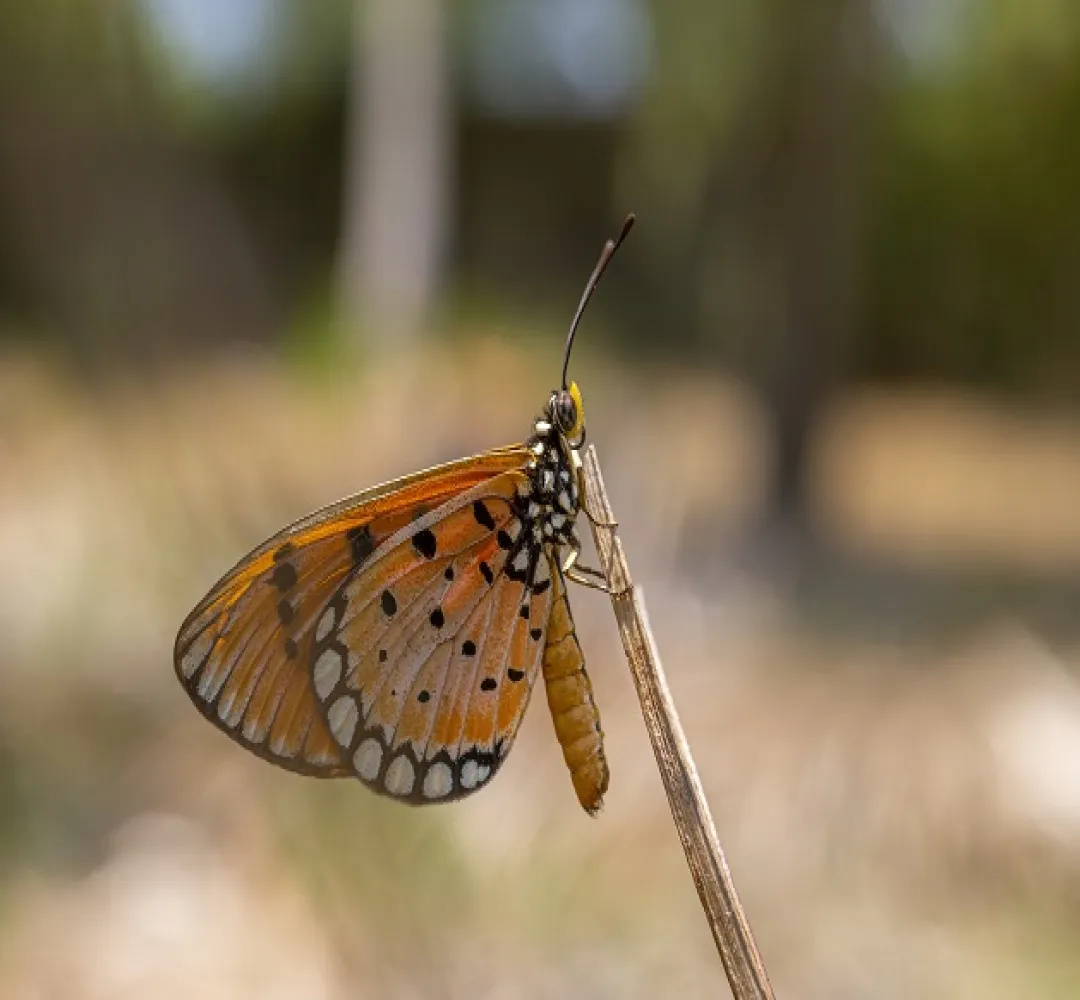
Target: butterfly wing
(425,658)
(244,655)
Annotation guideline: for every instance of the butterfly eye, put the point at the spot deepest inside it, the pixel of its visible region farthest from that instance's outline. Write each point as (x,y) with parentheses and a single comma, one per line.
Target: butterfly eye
(566,412)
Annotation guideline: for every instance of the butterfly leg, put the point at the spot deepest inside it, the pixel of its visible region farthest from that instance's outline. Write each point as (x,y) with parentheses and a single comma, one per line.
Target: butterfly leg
(584,575)
(611,525)
(579,471)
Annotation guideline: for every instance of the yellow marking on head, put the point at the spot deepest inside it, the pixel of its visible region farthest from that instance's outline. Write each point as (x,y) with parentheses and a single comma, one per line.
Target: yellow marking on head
(579,425)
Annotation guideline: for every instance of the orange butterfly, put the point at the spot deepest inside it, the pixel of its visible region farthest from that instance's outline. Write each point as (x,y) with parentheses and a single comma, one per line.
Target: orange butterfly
(396,636)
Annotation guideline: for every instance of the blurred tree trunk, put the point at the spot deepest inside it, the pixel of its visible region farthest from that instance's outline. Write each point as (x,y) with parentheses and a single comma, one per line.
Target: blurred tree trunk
(398,167)
(803,157)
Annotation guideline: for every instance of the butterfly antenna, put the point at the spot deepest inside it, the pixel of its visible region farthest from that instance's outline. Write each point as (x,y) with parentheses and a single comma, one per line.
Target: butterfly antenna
(605,256)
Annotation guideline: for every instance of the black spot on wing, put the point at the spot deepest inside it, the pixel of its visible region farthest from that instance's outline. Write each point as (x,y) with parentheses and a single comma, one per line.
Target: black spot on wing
(483,515)
(424,543)
(389,604)
(468,648)
(360,543)
(515,675)
(488,684)
(517,575)
(284,576)
(438,619)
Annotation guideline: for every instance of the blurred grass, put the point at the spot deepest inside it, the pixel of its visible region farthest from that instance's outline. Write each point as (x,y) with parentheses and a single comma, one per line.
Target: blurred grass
(901,808)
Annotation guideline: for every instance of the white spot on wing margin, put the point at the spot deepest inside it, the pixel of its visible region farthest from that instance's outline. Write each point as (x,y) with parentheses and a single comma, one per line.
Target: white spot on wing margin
(368,759)
(327,672)
(343,716)
(439,780)
(400,776)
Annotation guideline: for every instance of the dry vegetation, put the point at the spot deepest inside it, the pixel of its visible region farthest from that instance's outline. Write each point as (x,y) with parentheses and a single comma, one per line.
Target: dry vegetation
(900,805)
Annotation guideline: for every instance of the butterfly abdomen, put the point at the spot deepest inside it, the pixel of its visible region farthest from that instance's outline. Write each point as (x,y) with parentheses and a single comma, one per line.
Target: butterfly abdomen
(570,698)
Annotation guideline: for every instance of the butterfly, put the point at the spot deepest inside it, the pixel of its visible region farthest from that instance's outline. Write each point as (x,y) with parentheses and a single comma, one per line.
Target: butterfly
(396,636)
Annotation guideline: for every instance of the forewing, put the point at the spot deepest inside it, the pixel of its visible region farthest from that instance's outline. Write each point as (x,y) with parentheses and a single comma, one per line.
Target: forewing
(245,654)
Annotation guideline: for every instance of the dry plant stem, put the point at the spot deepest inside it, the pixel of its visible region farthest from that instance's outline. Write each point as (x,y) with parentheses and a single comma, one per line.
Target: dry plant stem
(712,878)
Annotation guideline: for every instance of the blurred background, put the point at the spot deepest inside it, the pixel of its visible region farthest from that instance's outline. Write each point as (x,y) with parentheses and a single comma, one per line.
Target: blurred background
(258,255)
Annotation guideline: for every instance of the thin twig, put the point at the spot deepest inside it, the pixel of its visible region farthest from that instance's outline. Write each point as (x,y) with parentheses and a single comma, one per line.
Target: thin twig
(712,878)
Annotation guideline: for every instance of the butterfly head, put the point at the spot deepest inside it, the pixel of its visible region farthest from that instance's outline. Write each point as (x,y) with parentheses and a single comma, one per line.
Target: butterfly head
(566,412)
